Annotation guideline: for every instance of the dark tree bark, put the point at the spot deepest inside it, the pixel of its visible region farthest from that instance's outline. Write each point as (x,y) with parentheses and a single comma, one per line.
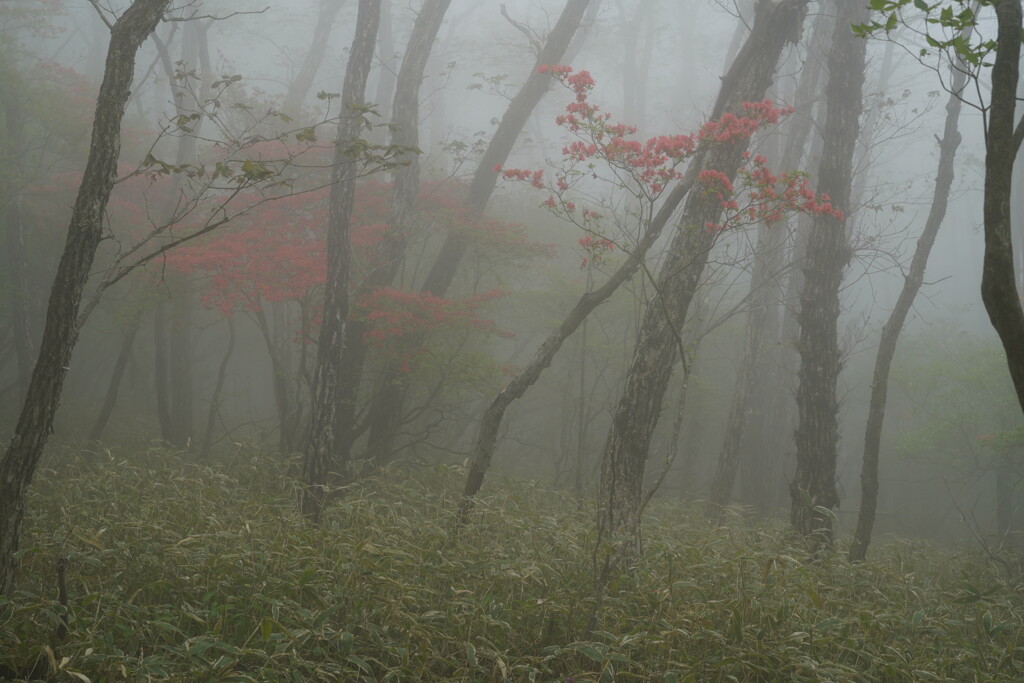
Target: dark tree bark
(84,233)
(388,257)
(894,325)
(114,386)
(218,388)
(327,377)
(813,489)
(656,350)
(764,295)
(386,408)
(299,87)
(998,284)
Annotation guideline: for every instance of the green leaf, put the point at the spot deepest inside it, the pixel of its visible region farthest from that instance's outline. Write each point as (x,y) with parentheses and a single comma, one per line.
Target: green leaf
(361,663)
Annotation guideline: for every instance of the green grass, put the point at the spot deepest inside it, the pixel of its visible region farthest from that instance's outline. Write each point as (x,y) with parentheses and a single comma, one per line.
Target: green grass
(191,572)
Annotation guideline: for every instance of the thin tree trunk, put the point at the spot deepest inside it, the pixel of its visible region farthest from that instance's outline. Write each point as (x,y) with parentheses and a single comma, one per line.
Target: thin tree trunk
(279,376)
(405,119)
(655,353)
(998,283)
(387,77)
(894,325)
(299,87)
(114,386)
(386,407)
(84,233)
(218,388)
(813,489)
(327,379)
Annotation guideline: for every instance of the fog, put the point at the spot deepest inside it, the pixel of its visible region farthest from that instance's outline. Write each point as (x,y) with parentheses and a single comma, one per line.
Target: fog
(206,314)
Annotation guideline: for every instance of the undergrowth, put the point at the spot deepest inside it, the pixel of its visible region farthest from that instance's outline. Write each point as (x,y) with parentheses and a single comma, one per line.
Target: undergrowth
(187,571)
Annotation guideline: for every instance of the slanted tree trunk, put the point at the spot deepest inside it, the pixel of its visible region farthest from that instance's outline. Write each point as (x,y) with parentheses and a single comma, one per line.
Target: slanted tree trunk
(84,233)
(387,78)
(998,284)
(490,423)
(114,386)
(656,349)
(813,489)
(327,377)
(386,408)
(303,81)
(894,325)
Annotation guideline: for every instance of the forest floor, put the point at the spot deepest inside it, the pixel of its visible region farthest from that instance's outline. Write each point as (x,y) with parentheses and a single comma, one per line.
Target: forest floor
(189,571)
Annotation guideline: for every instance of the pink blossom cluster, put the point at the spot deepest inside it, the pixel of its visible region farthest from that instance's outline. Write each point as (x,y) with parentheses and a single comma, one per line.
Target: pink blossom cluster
(768,197)
(646,168)
(594,248)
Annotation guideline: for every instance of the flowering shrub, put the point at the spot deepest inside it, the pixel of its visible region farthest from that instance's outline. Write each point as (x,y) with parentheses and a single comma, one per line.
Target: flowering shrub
(646,168)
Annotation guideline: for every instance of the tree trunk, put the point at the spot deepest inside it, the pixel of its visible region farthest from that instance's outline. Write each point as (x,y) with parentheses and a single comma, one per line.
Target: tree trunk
(114,386)
(894,325)
(764,293)
(998,284)
(327,379)
(218,387)
(656,348)
(405,118)
(84,233)
(287,438)
(386,408)
(299,87)
(813,489)
(490,423)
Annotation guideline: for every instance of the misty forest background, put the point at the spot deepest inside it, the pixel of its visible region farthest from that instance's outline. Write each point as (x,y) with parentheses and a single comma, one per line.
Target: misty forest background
(537,340)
